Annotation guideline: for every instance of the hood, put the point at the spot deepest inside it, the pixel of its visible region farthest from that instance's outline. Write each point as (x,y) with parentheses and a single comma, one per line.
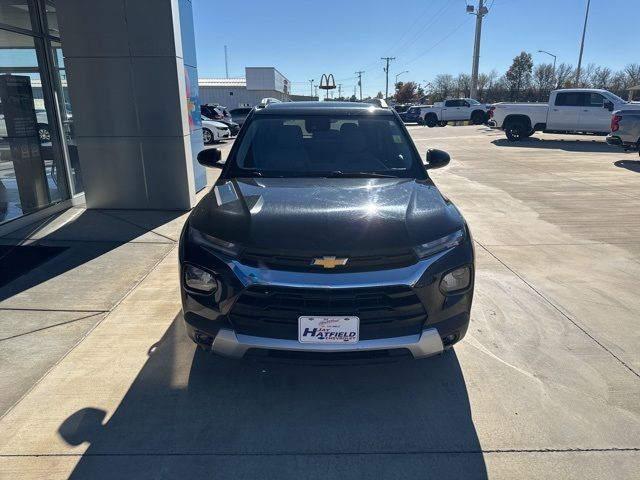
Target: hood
(326,215)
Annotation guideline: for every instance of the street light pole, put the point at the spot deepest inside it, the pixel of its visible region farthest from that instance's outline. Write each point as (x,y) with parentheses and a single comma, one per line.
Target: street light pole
(405,71)
(584,31)
(311,86)
(554,60)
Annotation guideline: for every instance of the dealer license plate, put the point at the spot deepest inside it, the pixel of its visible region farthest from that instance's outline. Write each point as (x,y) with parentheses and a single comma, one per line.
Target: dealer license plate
(333,329)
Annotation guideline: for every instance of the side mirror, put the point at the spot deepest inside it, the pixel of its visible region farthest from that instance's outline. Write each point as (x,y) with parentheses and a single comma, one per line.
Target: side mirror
(436,159)
(210,158)
(608,105)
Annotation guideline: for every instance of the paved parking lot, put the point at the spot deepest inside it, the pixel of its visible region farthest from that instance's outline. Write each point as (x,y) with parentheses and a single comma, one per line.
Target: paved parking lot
(545,385)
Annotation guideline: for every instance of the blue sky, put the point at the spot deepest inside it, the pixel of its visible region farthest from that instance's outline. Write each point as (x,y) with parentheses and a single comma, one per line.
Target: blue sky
(305,38)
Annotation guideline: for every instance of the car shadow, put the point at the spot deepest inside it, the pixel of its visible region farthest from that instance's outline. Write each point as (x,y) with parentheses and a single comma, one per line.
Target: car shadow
(633,165)
(585,144)
(189,414)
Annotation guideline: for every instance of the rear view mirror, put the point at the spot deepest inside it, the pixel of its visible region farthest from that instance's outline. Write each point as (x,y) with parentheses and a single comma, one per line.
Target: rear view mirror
(437,158)
(608,105)
(210,158)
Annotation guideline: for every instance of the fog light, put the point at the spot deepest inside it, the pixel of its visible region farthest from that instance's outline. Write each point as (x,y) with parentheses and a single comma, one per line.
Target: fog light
(197,279)
(449,339)
(458,279)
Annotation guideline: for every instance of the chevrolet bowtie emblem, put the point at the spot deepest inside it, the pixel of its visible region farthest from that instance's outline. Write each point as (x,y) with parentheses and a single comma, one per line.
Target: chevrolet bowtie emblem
(329,262)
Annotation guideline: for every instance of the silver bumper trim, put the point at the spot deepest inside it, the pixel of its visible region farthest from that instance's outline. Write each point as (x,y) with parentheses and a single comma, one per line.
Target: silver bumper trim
(380,278)
(230,344)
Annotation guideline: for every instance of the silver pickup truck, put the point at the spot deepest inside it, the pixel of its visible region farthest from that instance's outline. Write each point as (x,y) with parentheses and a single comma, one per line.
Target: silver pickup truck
(625,129)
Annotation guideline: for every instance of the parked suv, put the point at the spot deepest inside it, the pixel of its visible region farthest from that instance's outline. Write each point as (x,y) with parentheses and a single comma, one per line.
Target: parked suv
(324,235)
(218,113)
(240,114)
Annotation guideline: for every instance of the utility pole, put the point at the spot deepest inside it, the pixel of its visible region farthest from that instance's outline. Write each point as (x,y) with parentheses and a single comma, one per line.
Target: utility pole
(584,31)
(226,62)
(386,70)
(339,90)
(311,86)
(482,11)
(359,73)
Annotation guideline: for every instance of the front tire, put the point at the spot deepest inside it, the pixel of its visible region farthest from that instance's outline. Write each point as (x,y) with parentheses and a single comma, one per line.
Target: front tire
(516,131)
(478,118)
(207,136)
(431,120)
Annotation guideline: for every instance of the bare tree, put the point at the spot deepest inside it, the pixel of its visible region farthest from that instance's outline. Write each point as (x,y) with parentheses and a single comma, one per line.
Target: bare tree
(490,95)
(632,73)
(618,83)
(564,75)
(585,76)
(601,78)
(463,85)
(443,86)
(543,80)
(523,82)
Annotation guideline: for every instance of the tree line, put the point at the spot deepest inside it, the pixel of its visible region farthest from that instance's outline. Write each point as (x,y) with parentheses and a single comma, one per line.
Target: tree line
(522,82)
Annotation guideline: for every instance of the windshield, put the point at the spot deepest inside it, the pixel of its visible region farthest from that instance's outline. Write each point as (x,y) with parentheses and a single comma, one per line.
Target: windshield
(616,98)
(326,146)
(472,101)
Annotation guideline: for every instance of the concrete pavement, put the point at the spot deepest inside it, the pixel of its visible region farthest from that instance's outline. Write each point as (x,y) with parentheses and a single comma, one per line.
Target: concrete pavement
(545,385)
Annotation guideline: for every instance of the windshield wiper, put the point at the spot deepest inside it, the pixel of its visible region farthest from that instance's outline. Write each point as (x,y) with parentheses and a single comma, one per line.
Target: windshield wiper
(339,173)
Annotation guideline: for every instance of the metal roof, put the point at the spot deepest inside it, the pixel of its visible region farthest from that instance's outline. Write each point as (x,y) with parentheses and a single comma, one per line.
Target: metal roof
(222,82)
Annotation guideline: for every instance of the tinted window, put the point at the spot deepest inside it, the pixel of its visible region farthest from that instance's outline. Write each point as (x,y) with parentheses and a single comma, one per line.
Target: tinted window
(570,99)
(595,100)
(321,145)
(451,103)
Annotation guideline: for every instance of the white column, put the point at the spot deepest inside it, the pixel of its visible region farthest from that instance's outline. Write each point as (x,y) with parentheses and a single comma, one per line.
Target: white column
(127,62)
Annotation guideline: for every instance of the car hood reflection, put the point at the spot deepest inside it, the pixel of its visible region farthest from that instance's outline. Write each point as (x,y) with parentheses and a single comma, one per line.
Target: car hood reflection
(330,215)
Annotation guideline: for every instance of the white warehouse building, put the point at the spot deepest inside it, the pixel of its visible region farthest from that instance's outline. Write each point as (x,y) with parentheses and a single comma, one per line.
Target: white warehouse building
(247,91)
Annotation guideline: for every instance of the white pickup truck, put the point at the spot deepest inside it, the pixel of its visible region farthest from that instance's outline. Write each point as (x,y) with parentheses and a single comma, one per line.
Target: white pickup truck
(452,110)
(575,110)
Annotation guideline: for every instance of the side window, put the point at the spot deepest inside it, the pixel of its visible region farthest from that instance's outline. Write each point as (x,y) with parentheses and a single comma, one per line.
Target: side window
(451,103)
(595,100)
(569,99)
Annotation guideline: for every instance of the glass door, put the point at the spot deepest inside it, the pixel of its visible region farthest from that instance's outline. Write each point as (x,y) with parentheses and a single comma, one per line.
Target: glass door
(32,168)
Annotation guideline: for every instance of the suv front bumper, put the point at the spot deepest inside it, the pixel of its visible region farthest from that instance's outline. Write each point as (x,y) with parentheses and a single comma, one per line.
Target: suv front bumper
(230,344)
(212,322)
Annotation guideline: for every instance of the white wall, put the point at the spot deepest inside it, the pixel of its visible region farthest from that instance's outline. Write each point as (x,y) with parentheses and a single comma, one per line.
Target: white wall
(126,73)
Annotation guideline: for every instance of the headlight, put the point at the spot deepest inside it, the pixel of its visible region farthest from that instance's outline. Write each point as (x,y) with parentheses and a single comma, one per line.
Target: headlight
(197,279)
(222,129)
(458,279)
(212,243)
(439,245)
